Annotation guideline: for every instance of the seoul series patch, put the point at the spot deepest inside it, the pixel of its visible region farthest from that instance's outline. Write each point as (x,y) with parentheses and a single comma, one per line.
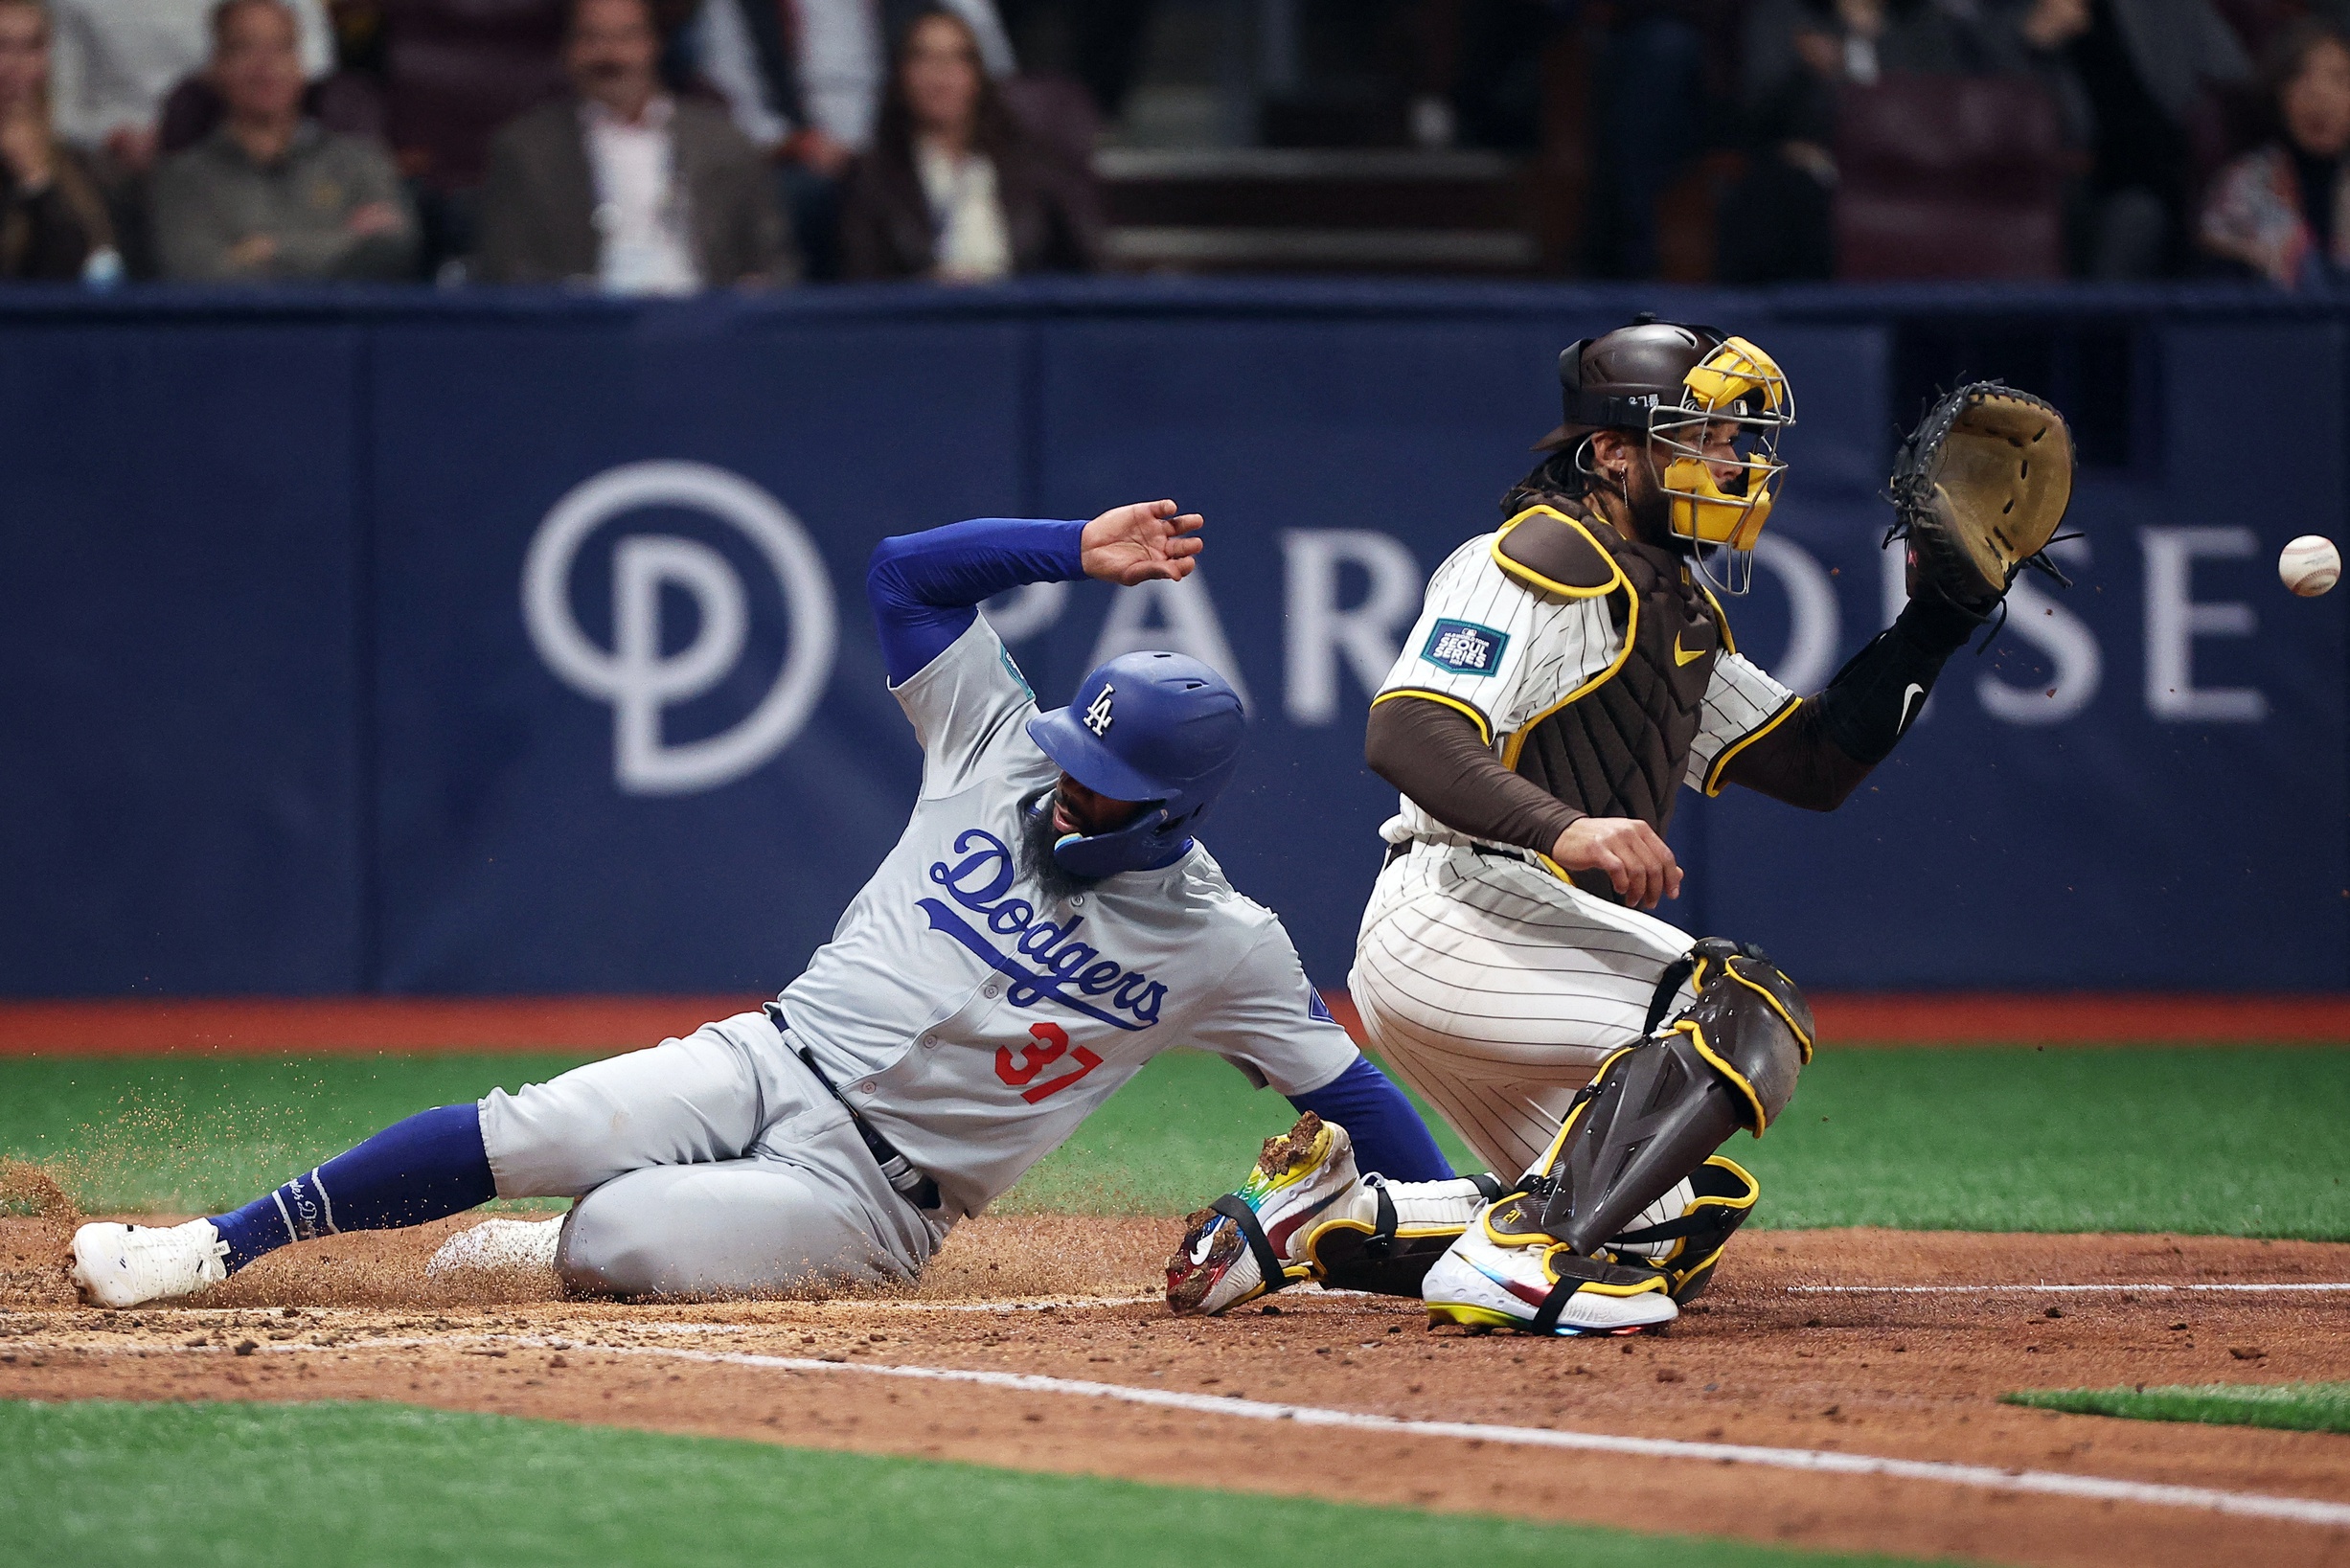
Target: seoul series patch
(1465,648)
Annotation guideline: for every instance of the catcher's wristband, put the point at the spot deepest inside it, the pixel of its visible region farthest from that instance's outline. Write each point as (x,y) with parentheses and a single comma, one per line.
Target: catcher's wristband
(1882,690)
(1937,623)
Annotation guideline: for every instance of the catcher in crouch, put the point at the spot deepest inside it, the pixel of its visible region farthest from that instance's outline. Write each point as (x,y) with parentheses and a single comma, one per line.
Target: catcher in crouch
(1567,674)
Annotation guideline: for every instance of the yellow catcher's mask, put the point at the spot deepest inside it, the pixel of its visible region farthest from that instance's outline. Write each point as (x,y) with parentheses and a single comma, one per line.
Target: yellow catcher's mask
(1719,444)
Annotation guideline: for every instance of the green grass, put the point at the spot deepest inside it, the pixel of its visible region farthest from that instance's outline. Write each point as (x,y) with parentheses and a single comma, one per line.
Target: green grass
(367,1484)
(1185,1129)
(2289,1407)
(2229,1142)
(198,1134)
(2216,1142)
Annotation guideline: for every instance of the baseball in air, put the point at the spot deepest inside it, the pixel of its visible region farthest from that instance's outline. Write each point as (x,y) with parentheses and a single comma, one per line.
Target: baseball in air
(2309,565)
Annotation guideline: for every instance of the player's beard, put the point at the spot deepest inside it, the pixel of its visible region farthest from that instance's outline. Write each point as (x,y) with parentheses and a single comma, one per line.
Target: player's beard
(1037,836)
(1650,508)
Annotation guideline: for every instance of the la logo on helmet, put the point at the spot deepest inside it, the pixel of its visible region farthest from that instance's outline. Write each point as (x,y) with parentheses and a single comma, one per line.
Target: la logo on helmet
(1097,716)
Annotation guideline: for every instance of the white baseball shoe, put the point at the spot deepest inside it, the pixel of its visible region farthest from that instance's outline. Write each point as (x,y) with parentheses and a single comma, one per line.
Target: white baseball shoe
(127,1265)
(1505,1272)
(1244,1245)
(498,1244)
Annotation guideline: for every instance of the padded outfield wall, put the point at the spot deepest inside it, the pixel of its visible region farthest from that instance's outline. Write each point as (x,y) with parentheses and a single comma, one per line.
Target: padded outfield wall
(492,643)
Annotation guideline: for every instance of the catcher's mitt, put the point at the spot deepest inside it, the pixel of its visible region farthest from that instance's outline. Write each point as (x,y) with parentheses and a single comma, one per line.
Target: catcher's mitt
(1978,491)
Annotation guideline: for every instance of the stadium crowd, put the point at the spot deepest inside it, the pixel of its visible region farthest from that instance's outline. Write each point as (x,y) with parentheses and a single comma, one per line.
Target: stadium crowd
(668,145)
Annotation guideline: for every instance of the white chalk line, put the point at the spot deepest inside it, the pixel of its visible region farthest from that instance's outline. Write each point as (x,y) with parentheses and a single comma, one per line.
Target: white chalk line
(2307,1511)
(2035,1290)
(840,1305)
(1054,1304)
(269,1315)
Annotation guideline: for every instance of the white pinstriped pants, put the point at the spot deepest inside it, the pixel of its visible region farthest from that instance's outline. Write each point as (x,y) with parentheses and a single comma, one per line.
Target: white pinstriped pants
(1495,989)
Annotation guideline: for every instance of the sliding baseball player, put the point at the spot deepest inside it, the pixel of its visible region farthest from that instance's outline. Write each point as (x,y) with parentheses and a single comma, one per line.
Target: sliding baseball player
(1047,924)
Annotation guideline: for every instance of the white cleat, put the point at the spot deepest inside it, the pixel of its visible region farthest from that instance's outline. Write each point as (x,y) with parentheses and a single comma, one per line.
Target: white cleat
(127,1265)
(498,1244)
(1503,1273)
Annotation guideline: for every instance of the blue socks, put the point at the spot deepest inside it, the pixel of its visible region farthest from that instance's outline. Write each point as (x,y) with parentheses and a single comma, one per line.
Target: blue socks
(428,1166)
(1389,1136)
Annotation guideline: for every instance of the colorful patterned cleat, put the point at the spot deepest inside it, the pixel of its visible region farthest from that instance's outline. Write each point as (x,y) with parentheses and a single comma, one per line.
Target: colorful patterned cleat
(1243,1246)
(1505,1272)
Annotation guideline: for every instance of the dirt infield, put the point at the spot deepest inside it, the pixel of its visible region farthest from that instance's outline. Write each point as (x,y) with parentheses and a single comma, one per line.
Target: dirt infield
(1838,1343)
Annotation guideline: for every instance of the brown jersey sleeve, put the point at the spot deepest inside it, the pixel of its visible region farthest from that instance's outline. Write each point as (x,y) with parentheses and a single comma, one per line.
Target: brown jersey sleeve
(1828,745)
(1798,764)
(1436,755)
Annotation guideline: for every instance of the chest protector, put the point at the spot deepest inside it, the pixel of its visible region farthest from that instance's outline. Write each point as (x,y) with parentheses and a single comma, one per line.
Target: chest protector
(1617,745)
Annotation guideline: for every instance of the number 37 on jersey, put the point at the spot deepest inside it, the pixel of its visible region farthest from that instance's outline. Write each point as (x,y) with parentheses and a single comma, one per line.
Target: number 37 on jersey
(1047,1046)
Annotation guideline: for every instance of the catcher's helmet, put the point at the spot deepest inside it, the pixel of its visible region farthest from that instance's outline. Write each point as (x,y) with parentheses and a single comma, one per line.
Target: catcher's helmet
(1671,383)
(1159,728)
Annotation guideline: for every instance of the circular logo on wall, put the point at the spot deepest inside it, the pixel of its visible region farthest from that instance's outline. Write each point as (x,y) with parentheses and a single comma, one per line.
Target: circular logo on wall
(633,675)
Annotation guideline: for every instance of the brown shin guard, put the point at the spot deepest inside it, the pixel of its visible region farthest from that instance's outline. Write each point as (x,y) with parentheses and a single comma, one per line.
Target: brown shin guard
(1654,1115)
(1723,1193)
(1657,1111)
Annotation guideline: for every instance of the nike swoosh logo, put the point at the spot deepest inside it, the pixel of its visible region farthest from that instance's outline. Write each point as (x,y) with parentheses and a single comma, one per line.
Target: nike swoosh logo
(1913,696)
(1682,655)
(1207,1244)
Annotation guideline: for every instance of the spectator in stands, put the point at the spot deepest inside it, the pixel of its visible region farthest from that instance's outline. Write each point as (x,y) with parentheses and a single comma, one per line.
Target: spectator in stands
(1475,73)
(53,221)
(2283,212)
(2136,72)
(953,188)
(622,186)
(2032,38)
(804,80)
(271,195)
(117,61)
(2258,24)
(1097,42)
(1648,121)
(1777,222)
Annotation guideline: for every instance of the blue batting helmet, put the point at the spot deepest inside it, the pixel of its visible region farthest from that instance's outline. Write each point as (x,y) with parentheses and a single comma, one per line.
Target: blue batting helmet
(1159,728)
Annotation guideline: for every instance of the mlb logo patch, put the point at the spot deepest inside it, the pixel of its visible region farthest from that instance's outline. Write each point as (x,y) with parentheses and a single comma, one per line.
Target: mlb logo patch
(1465,648)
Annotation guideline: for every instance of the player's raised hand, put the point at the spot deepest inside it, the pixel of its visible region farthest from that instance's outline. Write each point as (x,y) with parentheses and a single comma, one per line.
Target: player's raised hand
(1638,863)
(1141,543)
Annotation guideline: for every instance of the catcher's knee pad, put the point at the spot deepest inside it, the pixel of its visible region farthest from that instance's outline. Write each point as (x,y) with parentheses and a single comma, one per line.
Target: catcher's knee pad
(1392,1235)
(1656,1110)
(1682,1233)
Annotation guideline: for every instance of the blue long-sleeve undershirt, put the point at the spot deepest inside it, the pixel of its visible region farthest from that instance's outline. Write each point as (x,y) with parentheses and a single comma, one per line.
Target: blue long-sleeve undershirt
(925,587)
(1389,1137)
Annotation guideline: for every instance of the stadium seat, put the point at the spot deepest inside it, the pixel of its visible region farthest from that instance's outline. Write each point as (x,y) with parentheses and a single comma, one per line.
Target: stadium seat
(1948,176)
(456,70)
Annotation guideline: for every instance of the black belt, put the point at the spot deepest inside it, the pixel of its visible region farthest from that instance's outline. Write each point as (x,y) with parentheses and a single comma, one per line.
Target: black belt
(896,1169)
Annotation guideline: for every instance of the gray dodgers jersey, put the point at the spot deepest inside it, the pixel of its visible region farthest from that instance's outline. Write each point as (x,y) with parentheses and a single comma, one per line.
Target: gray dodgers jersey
(975,1021)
